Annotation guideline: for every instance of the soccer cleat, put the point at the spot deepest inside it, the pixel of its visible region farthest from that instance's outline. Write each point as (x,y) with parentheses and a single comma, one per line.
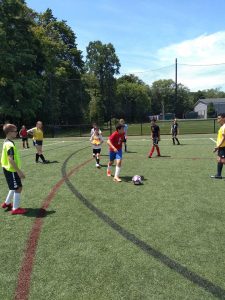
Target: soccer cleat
(19,211)
(108,173)
(216,176)
(4,205)
(97,165)
(93,155)
(117,179)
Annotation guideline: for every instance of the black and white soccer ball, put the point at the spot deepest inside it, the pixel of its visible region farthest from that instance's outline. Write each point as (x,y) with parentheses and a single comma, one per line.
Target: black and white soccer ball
(137,180)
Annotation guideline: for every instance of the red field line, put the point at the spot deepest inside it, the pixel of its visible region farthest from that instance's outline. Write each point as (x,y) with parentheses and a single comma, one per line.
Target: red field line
(24,276)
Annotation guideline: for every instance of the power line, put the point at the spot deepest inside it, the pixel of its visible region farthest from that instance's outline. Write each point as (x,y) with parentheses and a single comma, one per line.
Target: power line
(207,65)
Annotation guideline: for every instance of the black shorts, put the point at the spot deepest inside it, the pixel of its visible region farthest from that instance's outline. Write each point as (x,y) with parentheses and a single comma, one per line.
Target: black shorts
(37,143)
(221,152)
(24,139)
(13,179)
(95,151)
(155,140)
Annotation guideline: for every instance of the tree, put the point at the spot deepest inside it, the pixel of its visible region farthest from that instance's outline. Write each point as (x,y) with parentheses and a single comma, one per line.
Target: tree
(133,100)
(20,56)
(103,62)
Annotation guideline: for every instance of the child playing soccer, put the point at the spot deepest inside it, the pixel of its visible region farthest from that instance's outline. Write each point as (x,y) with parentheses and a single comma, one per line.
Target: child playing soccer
(38,136)
(24,135)
(10,162)
(96,141)
(125,133)
(220,146)
(175,131)
(155,135)
(115,142)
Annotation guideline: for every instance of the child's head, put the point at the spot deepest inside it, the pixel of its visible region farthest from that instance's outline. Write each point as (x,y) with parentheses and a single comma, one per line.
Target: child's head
(39,124)
(121,121)
(10,130)
(23,126)
(96,130)
(120,128)
(153,121)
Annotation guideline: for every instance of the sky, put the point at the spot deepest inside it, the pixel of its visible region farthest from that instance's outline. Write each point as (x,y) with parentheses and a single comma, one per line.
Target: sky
(149,35)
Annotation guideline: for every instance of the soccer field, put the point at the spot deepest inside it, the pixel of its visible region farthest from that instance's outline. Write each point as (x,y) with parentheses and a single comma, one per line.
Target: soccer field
(87,237)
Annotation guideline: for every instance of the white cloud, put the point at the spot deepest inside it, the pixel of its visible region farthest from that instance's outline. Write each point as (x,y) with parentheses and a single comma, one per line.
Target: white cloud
(201,61)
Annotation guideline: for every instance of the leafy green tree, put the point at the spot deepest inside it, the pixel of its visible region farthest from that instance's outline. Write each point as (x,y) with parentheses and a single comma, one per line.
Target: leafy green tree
(20,56)
(103,62)
(133,99)
(62,71)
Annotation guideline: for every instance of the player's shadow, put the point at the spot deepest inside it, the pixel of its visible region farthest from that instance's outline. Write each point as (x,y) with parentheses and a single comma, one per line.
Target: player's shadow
(52,162)
(158,157)
(130,151)
(38,212)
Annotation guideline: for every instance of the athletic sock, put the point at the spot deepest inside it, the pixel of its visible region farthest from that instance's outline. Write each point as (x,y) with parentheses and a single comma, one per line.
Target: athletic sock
(177,141)
(97,160)
(37,157)
(219,169)
(152,150)
(16,201)
(173,141)
(109,167)
(117,172)
(42,157)
(9,196)
(157,149)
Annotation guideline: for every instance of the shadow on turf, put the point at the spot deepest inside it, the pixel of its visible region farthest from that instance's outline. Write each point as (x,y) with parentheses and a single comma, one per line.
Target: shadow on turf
(129,178)
(38,212)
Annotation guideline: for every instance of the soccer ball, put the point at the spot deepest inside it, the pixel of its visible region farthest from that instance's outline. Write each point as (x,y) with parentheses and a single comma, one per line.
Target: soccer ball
(137,180)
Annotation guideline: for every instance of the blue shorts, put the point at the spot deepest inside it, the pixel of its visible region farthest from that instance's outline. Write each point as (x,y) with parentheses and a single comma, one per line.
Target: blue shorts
(115,155)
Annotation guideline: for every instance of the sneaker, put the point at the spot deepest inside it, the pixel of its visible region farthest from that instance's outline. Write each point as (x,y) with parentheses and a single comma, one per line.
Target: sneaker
(149,156)
(117,179)
(216,177)
(98,165)
(93,155)
(108,172)
(4,205)
(19,211)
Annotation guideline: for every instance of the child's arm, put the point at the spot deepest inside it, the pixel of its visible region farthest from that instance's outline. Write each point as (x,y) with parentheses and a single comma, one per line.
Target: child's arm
(111,145)
(14,165)
(30,131)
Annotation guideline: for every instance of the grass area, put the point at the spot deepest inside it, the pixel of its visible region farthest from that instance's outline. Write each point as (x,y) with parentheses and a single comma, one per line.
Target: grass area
(106,240)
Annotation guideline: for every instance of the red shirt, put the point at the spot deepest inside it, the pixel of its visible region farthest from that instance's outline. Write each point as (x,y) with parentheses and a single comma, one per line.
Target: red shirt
(117,140)
(23,133)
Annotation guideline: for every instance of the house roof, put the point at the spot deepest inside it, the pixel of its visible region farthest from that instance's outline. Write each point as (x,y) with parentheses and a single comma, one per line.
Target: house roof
(210,100)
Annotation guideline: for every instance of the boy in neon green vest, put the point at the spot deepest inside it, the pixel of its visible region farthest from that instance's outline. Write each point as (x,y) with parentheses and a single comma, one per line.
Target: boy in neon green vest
(11,164)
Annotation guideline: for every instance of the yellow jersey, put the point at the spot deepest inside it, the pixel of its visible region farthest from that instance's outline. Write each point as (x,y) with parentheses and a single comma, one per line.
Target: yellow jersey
(9,148)
(37,134)
(221,133)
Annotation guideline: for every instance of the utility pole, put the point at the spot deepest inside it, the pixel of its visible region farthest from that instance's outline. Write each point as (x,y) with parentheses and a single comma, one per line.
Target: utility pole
(175,82)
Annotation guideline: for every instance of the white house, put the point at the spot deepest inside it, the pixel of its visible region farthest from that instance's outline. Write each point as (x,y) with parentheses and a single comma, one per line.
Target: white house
(201,106)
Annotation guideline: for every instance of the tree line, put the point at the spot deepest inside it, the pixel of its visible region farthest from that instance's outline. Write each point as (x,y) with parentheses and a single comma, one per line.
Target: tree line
(43,75)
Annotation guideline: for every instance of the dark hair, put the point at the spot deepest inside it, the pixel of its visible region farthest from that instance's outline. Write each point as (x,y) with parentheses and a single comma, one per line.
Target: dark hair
(119,126)
(9,127)
(222,115)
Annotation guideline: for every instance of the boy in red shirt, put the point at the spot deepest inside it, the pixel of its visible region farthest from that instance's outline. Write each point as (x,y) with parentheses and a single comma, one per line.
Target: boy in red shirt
(24,135)
(115,142)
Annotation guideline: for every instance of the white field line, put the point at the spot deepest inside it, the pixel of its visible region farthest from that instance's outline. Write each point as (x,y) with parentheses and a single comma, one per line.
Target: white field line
(182,139)
(212,140)
(45,145)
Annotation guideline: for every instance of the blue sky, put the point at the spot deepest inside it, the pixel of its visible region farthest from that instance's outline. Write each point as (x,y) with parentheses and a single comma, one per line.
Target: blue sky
(149,34)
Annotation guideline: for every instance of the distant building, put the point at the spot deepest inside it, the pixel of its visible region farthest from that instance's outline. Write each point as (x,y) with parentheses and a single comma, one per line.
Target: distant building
(202,104)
